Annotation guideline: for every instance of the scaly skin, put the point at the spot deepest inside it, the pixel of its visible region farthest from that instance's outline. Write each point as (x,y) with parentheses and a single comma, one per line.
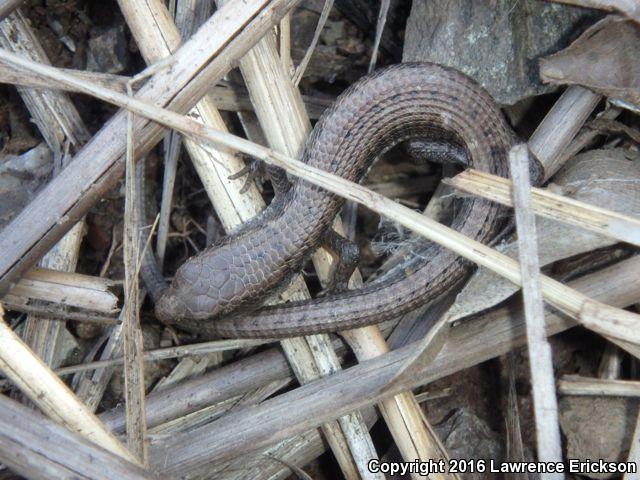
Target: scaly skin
(406,101)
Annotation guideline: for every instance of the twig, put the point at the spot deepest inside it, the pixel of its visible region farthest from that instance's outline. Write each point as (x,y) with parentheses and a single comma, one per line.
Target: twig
(545,404)
(218,385)
(107,261)
(65,289)
(8,6)
(134,383)
(284,43)
(37,448)
(52,313)
(172,144)
(587,135)
(577,385)
(236,99)
(169,352)
(225,96)
(382,20)
(560,126)
(324,15)
(610,365)
(616,324)
(551,205)
(49,393)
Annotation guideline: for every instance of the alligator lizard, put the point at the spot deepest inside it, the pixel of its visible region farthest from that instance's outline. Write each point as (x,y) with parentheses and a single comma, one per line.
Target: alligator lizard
(414,101)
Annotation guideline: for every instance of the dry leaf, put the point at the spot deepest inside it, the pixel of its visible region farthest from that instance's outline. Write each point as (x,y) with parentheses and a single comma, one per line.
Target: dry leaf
(604,58)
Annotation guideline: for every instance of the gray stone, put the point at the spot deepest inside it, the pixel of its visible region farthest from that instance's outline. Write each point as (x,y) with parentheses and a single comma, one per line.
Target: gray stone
(467,437)
(497,42)
(108,51)
(67,349)
(598,428)
(21,176)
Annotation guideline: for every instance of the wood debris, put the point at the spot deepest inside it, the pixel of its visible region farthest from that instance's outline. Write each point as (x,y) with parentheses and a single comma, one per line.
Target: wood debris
(99,101)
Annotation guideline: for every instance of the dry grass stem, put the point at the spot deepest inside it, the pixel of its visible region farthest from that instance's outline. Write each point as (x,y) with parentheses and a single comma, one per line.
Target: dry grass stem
(134,384)
(545,405)
(37,448)
(284,43)
(577,385)
(224,96)
(382,20)
(172,144)
(324,15)
(551,205)
(170,352)
(53,313)
(560,126)
(41,385)
(64,289)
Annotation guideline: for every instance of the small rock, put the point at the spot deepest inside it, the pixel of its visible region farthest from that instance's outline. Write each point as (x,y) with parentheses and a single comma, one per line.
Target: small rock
(20,177)
(67,349)
(598,428)
(87,330)
(108,51)
(496,42)
(466,436)
(332,32)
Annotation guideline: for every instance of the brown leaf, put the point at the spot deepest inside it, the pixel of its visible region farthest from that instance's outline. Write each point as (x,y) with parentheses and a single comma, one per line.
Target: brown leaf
(604,58)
